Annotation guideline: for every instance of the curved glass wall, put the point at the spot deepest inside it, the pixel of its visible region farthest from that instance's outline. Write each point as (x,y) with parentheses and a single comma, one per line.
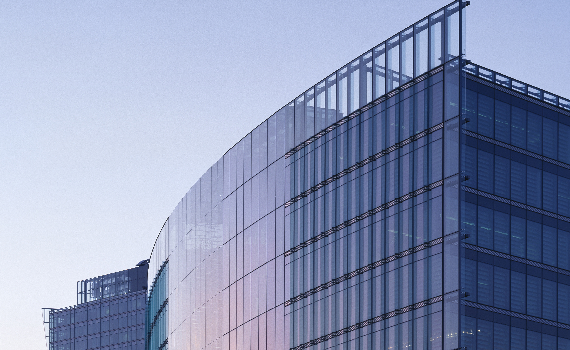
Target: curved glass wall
(157,311)
(302,234)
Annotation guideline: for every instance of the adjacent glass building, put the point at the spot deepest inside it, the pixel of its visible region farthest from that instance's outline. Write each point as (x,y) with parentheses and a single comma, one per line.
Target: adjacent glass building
(109,315)
(409,200)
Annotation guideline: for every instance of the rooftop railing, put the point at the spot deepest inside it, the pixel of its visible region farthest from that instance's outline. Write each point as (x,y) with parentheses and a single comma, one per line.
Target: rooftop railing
(517,86)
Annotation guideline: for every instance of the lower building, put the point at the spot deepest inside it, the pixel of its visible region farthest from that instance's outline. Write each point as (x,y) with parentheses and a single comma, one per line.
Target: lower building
(109,315)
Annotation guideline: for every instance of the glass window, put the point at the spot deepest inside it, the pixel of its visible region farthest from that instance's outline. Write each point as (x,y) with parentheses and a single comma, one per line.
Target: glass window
(502,175)
(289,124)
(534,244)
(436,103)
(421,44)
(470,110)
(393,61)
(421,111)
(533,340)
(299,120)
(550,141)
(502,121)
(320,106)
(564,196)
(354,86)
(407,52)
(518,288)
(485,284)
(549,300)
(518,236)
(485,115)
(452,31)
(501,232)
(365,79)
(501,336)
(534,188)
(518,182)
(549,245)
(549,191)
(563,249)
(518,127)
(484,334)
(564,143)
(331,100)
(501,292)
(342,80)
(379,70)
(534,296)
(469,224)
(518,339)
(271,147)
(436,43)
(309,113)
(563,303)
(451,74)
(485,171)
(534,133)
(485,227)
(470,166)
(548,341)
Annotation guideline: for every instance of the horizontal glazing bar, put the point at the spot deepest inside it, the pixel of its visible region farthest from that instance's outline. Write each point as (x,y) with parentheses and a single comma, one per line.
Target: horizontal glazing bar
(371,321)
(515,258)
(514,314)
(363,216)
(367,268)
(515,148)
(364,162)
(515,204)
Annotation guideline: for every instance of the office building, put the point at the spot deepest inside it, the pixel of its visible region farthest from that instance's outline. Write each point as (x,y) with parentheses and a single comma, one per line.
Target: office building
(411,199)
(109,315)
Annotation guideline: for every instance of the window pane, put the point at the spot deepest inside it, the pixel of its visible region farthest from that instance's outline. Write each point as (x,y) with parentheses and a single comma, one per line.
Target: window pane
(393,71)
(379,81)
(518,127)
(421,43)
(436,42)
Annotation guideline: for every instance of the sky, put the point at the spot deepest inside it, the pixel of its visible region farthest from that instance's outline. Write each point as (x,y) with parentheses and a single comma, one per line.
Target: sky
(111,110)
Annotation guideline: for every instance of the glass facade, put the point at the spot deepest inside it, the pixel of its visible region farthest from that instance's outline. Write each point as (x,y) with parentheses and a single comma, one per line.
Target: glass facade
(515,200)
(110,314)
(409,200)
(335,223)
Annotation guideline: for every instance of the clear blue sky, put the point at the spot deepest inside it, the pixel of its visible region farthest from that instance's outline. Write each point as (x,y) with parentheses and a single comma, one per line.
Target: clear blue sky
(111,110)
